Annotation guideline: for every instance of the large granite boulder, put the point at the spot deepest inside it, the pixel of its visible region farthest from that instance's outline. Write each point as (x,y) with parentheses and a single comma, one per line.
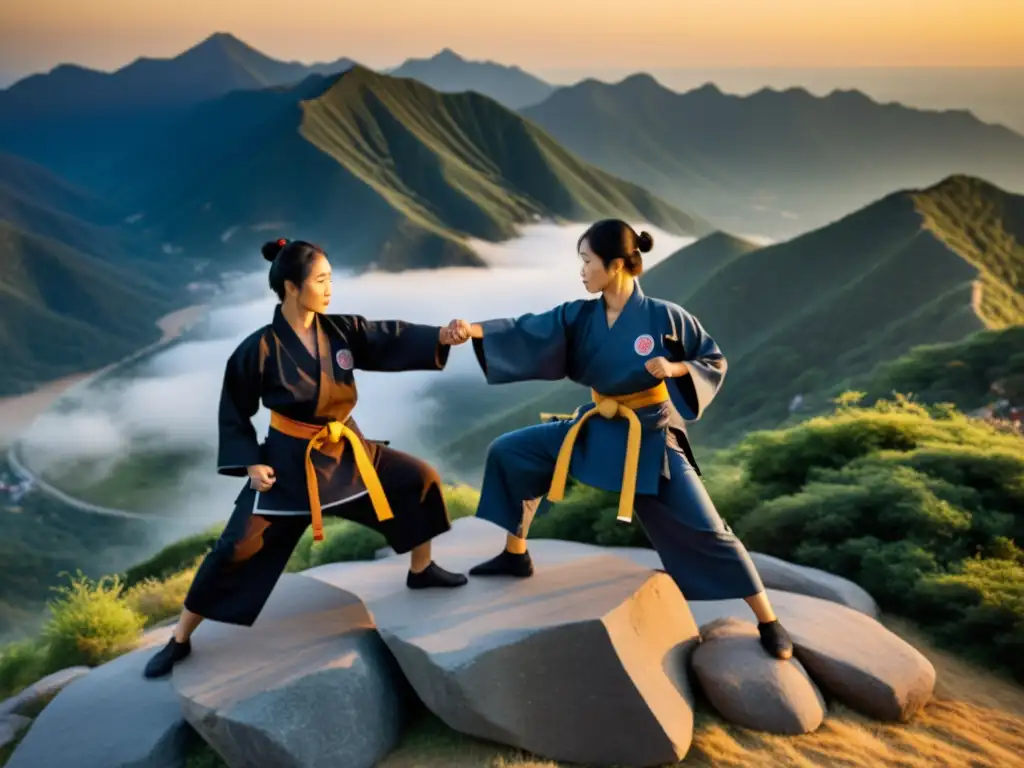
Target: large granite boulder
(11,726)
(110,718)
(585,662)
(310,685)
(849,655)
(32,700)
(748,687)
(786,576)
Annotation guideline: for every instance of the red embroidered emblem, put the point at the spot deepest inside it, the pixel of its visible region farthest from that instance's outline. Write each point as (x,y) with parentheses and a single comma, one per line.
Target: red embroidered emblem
(643,345)
(344,359)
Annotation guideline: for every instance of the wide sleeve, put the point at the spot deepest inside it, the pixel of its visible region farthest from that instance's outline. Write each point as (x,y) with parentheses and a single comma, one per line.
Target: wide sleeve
(238,447)
(689,343)
(530,347)
(395,345)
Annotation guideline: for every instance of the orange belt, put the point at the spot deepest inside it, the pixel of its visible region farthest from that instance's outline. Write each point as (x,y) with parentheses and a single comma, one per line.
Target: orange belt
(611,406)
(318,436)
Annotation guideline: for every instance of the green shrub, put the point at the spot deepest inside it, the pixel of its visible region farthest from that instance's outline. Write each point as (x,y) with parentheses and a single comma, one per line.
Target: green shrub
(462,500)
(978,609)
(175,557)
(89,623)
(587,515)
(157,600)
(21,664)
(345,541)
(919,505)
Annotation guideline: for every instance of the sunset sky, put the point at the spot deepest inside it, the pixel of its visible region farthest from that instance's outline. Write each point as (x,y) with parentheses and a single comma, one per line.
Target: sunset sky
(545,36)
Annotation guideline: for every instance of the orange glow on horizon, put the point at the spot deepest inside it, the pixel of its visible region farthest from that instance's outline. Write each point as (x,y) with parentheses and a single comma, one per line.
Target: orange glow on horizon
(536,34)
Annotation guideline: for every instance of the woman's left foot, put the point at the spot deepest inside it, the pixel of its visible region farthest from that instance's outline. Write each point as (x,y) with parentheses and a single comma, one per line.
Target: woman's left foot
(434,576)
(775,639)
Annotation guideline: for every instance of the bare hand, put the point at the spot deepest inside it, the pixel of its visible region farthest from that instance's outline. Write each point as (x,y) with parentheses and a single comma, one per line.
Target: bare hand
(660,368)
(261,477)
(455,333)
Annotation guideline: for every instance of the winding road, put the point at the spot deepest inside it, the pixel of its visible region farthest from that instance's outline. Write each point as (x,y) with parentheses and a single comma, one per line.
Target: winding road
(173,326)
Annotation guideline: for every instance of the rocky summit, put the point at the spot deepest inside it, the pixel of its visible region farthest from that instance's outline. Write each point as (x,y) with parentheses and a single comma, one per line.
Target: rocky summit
(587,662)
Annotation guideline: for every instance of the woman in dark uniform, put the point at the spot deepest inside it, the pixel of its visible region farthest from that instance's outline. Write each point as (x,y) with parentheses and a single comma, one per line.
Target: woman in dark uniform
(314,460)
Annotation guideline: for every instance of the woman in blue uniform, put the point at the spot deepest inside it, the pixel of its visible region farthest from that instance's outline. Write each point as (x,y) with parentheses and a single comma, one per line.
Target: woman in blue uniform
(650,366)
(314,460)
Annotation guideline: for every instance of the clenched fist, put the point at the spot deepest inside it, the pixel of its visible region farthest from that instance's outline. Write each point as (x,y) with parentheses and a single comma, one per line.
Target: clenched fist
(660,368)
(455,333)
(261,477)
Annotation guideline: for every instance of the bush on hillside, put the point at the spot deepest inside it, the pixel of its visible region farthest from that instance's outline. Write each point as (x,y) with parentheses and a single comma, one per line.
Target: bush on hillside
(89,623)
(960,372)
(345,541)
(919,505)
(157,600)
(21,664)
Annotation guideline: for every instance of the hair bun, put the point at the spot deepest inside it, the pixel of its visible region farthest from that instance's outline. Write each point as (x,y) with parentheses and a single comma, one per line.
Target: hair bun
(644,242)
(272,248)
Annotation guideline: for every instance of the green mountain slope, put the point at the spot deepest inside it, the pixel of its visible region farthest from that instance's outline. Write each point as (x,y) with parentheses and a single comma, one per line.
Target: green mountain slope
(803,316)
(693,265)
(63,312)
(380,171)
(75,292)
(777,163)
(74,119)
(450,73)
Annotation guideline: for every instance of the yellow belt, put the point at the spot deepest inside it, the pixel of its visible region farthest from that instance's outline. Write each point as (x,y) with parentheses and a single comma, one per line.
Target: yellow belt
(328,440)
(611,406)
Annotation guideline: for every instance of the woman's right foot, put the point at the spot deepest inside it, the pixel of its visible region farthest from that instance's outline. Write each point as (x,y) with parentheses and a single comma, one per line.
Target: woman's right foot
(505,564)
(165,659)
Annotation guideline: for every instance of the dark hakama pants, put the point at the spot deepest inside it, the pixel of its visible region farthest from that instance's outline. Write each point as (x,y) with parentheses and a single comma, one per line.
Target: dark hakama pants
(698,550)
(236,578)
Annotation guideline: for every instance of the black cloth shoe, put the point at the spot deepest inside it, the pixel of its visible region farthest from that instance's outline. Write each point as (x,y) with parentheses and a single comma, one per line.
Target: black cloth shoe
(434,576)
(505,564)
(775,640)
(162,662)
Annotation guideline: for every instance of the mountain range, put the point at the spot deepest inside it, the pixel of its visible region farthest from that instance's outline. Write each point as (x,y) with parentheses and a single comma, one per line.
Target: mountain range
(818,313)
(207,154)
(72,118)
(777,163)
(381,171)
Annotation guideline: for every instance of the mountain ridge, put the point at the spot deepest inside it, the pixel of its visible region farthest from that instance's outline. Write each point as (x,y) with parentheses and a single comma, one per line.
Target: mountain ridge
(419,171)
(448,72)
(74,120)
(778,162)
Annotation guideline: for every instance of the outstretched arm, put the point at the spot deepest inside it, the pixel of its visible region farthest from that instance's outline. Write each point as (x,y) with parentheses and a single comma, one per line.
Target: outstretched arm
(530,347)
(395,345)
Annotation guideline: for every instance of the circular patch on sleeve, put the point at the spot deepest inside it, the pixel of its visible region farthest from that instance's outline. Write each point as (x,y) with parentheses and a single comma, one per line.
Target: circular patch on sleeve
(643,345)
(344,359)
